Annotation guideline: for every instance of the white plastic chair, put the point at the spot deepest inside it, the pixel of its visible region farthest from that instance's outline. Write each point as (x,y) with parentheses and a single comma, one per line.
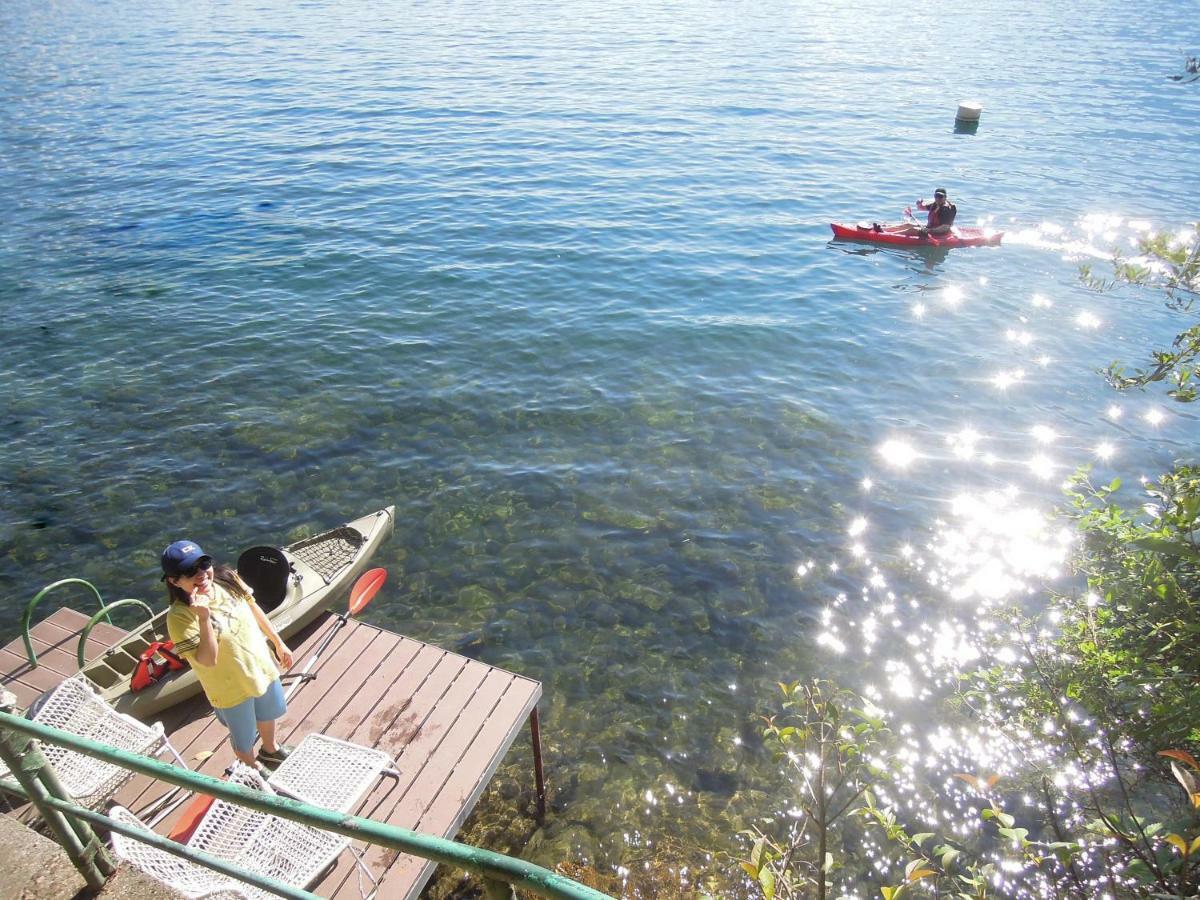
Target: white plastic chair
(322,771)
(330,773)
(286,851)
(73,706)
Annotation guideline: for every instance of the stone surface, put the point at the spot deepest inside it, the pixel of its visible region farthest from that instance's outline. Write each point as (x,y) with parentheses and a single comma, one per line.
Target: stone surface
(36,868)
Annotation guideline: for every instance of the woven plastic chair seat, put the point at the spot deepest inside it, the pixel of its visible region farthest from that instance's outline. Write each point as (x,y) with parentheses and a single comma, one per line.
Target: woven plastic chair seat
(286,851)
(322,771)
(330,773)
(74,707)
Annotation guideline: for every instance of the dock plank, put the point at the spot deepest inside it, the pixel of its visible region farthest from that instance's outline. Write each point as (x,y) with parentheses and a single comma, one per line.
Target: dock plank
(448,789)
(415,739)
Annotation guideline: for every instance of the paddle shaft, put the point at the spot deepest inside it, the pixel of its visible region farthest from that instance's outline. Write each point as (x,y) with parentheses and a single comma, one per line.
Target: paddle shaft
(312,660)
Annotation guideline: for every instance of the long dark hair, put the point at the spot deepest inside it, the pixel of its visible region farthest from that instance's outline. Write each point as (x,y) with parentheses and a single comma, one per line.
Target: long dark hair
(225,576)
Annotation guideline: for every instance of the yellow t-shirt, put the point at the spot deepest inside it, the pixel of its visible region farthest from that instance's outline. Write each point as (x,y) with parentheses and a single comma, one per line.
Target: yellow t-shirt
(245,667)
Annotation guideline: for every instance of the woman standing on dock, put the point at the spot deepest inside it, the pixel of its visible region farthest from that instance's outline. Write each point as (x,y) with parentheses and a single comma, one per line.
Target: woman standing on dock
(218,628)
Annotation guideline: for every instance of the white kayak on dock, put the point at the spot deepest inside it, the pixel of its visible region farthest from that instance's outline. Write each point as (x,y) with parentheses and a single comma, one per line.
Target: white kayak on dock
(313,575)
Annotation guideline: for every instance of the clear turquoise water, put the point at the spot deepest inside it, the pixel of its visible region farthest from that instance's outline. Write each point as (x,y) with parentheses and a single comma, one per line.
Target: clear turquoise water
(557,282)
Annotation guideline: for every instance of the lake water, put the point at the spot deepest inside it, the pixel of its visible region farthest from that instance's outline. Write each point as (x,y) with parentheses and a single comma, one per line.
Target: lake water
(557,280)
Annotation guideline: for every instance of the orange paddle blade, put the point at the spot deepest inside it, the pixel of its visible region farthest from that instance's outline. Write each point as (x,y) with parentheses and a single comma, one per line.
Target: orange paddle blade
(365,589)
(190,818)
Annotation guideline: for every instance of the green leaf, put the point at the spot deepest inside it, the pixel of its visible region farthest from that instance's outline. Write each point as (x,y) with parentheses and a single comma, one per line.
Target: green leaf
(766,880)
(1167,548)
(1003,818)
(1017,835)
(921,838)
(756,855)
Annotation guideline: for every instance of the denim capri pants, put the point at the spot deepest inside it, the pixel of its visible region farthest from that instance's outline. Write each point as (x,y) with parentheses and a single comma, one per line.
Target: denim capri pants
(242,720)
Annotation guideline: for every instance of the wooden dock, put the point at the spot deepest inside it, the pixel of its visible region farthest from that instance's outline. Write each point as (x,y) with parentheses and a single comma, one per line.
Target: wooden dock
(447,720)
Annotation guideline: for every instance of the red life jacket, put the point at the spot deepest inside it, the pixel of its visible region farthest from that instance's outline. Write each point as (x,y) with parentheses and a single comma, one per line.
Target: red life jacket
(156,661)
(943,215)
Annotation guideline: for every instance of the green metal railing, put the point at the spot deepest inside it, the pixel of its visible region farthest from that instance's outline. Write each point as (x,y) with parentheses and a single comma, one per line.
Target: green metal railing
(27,616)
(70,822)
(81,650)
(105,609)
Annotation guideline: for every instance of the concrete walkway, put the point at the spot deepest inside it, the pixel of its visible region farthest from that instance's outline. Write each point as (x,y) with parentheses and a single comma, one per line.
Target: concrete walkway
(36,868)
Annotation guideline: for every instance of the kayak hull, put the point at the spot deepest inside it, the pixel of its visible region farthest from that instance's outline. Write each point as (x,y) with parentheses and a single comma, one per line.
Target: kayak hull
(324,569)
(960,237)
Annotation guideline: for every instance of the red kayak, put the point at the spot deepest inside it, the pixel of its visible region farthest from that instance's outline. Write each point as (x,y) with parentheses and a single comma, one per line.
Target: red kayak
(959,237)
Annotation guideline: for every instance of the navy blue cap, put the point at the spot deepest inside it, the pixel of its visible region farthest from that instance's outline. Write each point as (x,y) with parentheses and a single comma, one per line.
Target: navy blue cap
(179,556)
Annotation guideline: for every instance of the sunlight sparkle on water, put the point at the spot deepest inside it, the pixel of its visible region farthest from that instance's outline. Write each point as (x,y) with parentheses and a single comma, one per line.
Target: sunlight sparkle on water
(1105,450)
(900,681)
(899,454)
(963,442)
(1154,415)
(993,544)
(1087,320)
(952,295)
(832,641)
(918,309)
(1005,380)
(1041,301)
(951,648)
(1024,338)
(1043,434)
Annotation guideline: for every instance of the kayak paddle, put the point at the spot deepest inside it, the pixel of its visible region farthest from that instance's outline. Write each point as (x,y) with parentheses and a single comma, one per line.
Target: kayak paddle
(361,594)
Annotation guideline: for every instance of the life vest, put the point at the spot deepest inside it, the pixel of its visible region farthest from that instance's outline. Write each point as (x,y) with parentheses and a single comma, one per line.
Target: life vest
(156,661)
(943,215)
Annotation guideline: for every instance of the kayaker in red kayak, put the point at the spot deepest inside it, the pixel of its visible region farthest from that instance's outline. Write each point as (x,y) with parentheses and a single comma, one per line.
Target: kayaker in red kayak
(939,221)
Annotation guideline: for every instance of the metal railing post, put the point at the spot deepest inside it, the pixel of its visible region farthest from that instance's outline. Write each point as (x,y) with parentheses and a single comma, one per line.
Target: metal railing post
(28,765)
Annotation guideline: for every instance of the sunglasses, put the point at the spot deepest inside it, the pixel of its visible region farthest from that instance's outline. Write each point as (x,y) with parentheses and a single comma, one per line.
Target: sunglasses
(195,568)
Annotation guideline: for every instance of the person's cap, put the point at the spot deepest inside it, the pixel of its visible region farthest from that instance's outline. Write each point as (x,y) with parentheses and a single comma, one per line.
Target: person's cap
(179,556)
(940,192)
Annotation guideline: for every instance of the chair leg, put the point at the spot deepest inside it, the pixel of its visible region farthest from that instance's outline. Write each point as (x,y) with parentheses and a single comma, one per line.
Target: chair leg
(175,753)
(362,869)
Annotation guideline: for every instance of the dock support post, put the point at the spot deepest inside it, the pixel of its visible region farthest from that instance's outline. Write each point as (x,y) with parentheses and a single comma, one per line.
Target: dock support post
(539,775)
(38,780)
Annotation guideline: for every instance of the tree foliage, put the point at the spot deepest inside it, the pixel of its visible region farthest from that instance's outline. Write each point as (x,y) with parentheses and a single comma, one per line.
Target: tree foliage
(835,747)
(1170,262)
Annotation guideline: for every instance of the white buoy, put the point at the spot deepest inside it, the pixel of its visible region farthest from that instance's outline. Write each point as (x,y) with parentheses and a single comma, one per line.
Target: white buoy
(968,111)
